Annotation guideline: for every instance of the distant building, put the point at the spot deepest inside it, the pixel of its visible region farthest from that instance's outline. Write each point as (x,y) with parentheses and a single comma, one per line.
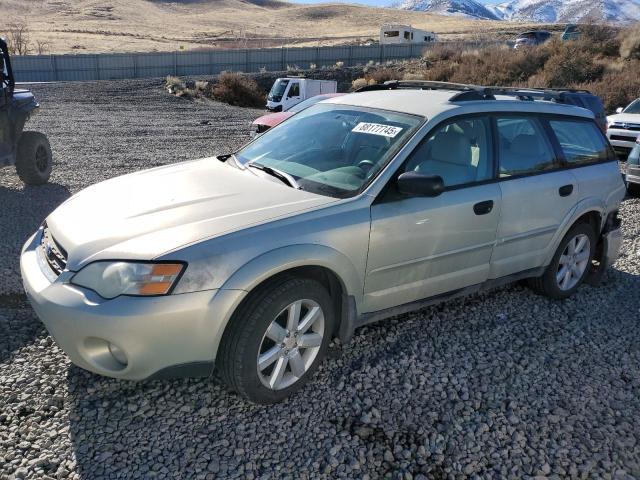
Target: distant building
(394,34)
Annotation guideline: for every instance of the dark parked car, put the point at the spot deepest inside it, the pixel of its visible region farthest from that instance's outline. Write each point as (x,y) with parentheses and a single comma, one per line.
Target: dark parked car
(571,33)
(532,38)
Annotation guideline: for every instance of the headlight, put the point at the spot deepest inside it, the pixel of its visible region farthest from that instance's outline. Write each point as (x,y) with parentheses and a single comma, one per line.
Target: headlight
(112,279)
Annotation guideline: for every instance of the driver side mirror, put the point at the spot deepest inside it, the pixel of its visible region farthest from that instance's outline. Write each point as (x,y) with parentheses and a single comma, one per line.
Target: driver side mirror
(415,184)
(619,110)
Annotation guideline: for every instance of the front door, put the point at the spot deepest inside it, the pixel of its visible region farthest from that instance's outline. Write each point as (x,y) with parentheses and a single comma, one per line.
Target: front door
(293,96)
(422,247)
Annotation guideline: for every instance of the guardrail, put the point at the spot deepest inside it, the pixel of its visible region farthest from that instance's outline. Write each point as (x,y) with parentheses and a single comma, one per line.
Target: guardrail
(109,66)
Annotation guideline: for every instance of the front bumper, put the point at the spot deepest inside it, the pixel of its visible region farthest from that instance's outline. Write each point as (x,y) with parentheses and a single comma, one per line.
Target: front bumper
(155,334)
(622,141)
(632,174)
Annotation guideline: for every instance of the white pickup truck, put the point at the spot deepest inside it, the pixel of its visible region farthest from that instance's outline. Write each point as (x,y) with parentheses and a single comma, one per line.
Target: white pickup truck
(287,92)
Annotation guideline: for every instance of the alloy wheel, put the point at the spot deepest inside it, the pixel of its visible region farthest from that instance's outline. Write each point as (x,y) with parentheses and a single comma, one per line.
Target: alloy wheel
(291,344)
(573,262)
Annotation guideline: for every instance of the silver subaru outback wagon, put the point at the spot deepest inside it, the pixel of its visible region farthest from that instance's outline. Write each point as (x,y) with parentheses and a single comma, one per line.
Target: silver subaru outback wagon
(356,209)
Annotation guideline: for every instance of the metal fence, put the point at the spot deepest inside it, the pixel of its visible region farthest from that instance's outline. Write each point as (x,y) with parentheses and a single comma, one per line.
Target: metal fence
(51,68)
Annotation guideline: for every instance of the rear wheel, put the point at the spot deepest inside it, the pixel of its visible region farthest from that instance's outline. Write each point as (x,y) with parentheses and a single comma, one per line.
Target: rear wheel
(34,158)
(570,264)
(277,339)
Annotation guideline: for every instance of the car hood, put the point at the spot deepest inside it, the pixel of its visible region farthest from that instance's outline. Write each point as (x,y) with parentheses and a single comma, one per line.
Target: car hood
(624,118)
(272,119)
(148,213)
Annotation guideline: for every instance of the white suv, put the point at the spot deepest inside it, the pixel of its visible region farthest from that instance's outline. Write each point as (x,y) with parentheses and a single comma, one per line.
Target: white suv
(354,210)
(623,129)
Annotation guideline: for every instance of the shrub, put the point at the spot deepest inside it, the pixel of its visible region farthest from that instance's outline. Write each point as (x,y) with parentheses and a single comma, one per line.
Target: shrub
(359,83)
(381,75)
(239,90)
(617,88)
(630,45)
(568,67)
(172,83)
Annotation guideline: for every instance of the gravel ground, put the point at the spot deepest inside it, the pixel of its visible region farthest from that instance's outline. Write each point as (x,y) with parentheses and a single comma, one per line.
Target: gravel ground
(506,384)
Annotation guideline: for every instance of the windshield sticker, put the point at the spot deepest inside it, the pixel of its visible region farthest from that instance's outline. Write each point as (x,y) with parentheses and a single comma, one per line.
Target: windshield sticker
(377,129)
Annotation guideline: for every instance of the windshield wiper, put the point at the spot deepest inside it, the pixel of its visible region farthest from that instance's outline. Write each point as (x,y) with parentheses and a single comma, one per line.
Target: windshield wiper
(280,175)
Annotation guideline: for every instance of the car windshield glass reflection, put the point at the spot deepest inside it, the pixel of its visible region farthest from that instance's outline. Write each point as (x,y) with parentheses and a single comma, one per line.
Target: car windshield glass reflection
(332,149)
(634,107)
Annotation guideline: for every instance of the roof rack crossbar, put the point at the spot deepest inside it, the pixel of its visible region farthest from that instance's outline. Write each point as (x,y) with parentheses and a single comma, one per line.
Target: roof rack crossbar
(476,92)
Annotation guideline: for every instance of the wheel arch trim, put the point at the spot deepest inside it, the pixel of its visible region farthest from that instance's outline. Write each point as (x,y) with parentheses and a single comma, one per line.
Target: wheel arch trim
(585,207)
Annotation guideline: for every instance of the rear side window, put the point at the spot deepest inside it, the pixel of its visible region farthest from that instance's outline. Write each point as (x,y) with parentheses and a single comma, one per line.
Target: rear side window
(523,147)
(581,141)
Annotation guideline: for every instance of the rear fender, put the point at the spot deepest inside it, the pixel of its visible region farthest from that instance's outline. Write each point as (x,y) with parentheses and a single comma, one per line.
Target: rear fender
(591,204)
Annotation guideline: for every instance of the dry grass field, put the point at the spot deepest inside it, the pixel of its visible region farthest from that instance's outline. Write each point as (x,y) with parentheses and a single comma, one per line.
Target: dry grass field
(91,26)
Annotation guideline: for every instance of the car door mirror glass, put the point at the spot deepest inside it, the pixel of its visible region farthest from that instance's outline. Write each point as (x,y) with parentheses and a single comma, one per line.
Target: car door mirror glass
(416,184)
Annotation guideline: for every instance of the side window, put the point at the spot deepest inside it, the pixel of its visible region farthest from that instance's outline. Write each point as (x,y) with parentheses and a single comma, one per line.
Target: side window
(523,147)
(294,91)
(581,141)
(459,152)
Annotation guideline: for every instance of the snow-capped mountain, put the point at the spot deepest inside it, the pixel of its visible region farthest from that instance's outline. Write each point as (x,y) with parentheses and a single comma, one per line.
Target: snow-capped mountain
(545,11)
(567,11)
(467,8)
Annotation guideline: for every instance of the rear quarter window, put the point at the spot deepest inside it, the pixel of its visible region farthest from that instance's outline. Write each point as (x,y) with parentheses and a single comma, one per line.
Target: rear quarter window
(581,141)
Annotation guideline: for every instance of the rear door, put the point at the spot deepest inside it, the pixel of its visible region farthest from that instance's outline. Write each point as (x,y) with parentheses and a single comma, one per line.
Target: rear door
(537,193)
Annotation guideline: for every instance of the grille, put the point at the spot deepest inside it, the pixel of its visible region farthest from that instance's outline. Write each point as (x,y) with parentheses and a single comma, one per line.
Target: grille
(622,138)
(54,254)
(634,127)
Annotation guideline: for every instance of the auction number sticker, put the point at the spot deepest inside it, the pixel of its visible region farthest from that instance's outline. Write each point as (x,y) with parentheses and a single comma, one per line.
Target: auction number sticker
(377,129)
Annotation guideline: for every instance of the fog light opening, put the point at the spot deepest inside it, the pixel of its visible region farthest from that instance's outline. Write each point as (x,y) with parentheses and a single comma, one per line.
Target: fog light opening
(118,354)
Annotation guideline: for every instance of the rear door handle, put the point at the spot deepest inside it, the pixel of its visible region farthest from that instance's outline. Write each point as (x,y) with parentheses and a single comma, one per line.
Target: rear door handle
(483,208)
(566,190)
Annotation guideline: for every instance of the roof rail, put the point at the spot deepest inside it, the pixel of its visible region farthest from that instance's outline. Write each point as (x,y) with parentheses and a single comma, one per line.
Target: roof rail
(415,85)
(476,92)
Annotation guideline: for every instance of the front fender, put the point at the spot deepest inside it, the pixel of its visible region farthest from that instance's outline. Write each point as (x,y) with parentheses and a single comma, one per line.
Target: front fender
(278,260)
(227,299)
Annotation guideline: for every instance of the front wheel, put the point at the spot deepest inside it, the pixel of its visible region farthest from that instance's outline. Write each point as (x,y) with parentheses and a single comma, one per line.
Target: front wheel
(34,159)
(277,339)
(570,264)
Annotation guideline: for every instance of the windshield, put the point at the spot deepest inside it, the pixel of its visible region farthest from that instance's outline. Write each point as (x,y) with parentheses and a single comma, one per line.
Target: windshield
(634,107)
(332,149)
(277,91)
(306,104)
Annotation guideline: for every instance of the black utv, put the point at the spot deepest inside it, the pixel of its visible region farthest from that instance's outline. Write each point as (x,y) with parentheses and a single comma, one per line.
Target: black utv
(30,152)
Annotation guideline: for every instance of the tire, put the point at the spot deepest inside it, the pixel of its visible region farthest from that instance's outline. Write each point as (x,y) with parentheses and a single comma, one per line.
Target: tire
(34,159)
(548,284)
(257,331)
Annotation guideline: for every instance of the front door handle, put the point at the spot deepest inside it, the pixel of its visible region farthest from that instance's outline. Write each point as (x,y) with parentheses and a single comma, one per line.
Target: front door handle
(483,208)
(566,190)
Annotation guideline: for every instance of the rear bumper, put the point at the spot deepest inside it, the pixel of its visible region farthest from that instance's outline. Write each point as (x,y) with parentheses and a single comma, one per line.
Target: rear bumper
(174,334)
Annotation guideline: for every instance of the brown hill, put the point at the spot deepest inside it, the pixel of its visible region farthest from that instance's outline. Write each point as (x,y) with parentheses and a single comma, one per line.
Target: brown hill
(83,26)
